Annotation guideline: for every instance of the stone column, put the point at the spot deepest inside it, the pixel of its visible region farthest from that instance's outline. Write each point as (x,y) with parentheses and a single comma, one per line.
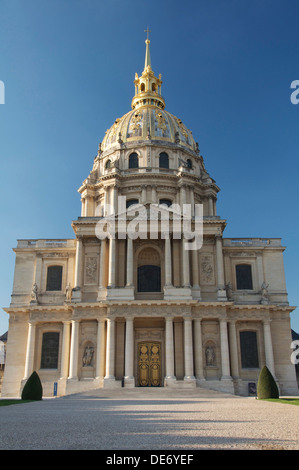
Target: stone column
(65,357)
(210,204)
(268,347)
(30,350)
(168,264)
(112,260)
(89,206)
(198,358)
(102,291)
(192,201)
(110,351)
(143,194)
(154,193)
(129,262)
(182,196)
(38,270)
(214,207)
(74,350)
(220,270)
(188,350)
(195,275)
(113,198)
(83,207)
(233,349)
(186,273)
(79,263)
(100,359)
(225,367)
(169,351)
(260,270)
(129,353)
(102,264)
(106,200)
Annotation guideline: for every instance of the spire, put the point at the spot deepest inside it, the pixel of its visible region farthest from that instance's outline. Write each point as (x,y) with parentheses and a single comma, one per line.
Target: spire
(148,86)
(147,62)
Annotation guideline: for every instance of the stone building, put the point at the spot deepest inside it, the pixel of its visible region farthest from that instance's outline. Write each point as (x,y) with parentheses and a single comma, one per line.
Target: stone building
(128,310)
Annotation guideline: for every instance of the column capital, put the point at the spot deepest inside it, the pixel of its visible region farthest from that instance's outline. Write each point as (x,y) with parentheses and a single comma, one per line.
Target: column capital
(169,317)
(129,317)
(223,319)
(198,319)
(187,317)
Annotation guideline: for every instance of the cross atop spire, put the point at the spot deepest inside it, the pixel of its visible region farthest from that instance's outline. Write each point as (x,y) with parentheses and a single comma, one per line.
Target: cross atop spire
(147,52)
(147,31)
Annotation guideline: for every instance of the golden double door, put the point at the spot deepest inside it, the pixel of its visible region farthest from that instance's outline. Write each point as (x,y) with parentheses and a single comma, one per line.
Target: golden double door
(149,364)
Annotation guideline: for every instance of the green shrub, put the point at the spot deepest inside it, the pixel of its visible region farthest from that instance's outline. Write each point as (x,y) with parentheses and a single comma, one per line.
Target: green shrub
(266,385)
(33,389)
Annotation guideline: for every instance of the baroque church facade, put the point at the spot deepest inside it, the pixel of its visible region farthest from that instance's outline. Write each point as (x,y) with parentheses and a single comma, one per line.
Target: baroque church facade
(144,311)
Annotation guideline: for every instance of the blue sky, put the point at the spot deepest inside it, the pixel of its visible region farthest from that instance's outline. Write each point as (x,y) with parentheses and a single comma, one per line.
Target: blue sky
(68,67)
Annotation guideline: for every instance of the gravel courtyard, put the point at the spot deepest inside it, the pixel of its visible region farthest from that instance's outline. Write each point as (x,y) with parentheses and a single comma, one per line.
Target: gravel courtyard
(150,419)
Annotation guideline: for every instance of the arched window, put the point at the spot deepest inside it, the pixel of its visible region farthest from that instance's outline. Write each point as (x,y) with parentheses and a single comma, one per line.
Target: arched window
(50,348)
(244,276)
(108,164)
(149,270)
(54,278)
(131,202)
(163,160)
(189,164)
(166,202)
(133,160)
(142,87)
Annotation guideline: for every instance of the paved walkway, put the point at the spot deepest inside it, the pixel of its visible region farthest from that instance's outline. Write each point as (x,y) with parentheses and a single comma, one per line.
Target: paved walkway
(150,419)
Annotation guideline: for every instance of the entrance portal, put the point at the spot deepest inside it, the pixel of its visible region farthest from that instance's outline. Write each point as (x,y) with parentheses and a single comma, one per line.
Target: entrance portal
(149,364)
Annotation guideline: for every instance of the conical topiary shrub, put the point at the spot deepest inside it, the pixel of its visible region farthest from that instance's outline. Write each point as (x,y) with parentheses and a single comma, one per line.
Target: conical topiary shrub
(33,389)
(266,385)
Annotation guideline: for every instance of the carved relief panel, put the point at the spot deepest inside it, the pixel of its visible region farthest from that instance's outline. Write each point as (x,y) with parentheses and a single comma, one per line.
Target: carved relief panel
(91,263)
(207,271)
(87,349)
(211,348)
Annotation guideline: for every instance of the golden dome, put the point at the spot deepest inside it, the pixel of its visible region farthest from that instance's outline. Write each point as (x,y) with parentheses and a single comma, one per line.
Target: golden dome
(148,119)
(148,123)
